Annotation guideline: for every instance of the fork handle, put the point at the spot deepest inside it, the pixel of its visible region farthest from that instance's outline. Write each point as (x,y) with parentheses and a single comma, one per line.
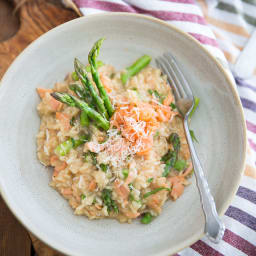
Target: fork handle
(214,227)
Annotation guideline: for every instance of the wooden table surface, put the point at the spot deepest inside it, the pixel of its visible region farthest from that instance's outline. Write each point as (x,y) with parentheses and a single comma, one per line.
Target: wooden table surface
(21,22)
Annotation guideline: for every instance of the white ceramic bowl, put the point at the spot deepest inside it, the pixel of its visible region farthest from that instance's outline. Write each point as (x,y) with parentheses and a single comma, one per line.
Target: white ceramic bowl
(218,124)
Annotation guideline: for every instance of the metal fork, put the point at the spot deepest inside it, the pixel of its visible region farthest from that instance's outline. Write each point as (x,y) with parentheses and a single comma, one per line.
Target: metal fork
(214,227)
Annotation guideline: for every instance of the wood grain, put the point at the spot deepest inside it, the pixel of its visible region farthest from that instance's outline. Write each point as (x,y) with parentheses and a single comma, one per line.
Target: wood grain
(36,18)
(13,237)
(7,14)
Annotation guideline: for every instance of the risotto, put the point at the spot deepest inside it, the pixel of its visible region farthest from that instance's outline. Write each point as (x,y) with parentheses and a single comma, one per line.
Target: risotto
(115,140)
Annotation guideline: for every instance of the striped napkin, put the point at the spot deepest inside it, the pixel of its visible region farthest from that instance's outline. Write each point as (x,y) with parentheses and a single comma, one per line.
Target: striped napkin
(229,26)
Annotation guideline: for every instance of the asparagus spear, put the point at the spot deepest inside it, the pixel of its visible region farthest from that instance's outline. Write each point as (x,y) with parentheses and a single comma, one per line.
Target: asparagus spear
(81,72)
(169,163)
(84,119)
(99,64)
(87,68)
(170,157)
(93,54)
(82,94)
(75,102)
(135,68)
(64,148)
(74,76)
(78,90)
(175,140)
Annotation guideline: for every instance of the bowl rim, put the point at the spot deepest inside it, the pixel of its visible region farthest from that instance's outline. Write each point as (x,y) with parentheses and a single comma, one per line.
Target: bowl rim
(41,236)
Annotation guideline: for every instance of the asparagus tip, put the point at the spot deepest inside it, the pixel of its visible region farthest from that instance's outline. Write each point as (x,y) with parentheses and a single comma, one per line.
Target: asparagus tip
(55,95)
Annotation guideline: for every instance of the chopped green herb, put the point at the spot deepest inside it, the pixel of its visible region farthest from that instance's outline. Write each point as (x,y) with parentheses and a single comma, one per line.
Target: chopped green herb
(197,100)
(94,201)
(90,156)
(146,218)
(75,76)
(130,186)
(192,134)
(94,159)
(180,165)
(173,106)
(108,201)
(155,191)
(83,196)
(134,89)
(104,167)
(112,75)
(150,180)
(72,121)
(156,93)
(87,156)
(125,173)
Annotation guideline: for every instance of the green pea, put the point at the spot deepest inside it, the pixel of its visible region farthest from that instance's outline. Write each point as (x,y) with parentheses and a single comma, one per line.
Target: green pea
(125,173)
(146,218)
(180,165)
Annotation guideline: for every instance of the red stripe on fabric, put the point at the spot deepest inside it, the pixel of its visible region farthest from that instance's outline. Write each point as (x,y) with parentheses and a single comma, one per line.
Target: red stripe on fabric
(239,243)
(163,15)
(180,1)
(251,127)
(252,144)
(205,39)
(105,6)
(204,249)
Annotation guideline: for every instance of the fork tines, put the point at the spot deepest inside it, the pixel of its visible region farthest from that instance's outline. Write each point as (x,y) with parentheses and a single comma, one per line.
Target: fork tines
(169,66)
